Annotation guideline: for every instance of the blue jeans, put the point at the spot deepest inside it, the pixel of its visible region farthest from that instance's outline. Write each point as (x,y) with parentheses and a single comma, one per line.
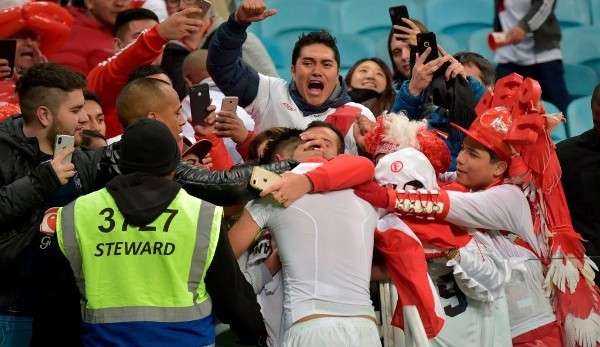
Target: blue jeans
(15,331)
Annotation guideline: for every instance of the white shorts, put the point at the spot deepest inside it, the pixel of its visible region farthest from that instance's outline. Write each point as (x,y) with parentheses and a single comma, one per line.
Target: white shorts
(332,332)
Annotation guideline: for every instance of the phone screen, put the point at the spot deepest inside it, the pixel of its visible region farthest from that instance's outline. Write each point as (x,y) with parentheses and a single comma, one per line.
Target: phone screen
(8,49)
(397,13)
(425,40)
(199,101)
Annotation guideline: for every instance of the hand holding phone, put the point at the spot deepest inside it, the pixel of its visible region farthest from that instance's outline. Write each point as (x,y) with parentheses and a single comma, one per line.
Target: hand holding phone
(61,163)
(64,143)
(228,124)
(427,40)
(229,104)
(199,101)
(263,178)
(8,49)
(396,15)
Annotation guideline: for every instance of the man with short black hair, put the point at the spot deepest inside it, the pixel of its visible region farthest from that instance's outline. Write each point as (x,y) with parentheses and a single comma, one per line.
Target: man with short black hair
(130,24)
(325,259)
(95,115)
(478,67)
(580,162)
(316,91)
(150,70)
(51,100)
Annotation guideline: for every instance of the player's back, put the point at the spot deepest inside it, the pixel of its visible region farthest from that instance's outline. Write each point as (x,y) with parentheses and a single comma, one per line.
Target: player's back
(325,244)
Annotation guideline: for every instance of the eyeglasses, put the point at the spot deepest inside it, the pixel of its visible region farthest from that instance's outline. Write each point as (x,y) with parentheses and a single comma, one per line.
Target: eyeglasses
(177,2)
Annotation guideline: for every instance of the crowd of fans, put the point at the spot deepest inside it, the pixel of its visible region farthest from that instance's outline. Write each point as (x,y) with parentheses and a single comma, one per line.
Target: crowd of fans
(417,204)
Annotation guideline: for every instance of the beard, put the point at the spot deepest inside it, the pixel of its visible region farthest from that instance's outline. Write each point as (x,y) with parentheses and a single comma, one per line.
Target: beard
(57,129)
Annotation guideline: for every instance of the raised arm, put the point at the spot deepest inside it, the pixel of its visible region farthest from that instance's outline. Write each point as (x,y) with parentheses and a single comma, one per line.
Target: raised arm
(225,65)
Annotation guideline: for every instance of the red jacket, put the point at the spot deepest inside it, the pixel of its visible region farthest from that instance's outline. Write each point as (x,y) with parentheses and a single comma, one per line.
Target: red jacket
(89,43)
(108,77)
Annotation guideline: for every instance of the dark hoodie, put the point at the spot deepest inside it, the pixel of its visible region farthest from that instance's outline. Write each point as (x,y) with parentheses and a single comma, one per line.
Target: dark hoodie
(141,198)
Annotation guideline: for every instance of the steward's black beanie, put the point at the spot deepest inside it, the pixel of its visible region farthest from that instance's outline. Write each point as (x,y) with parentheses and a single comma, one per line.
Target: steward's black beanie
(148,146)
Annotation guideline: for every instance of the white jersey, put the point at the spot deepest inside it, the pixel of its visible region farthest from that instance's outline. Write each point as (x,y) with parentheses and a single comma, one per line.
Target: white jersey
(505,207)
(216,96)
(267,287)
(274,107)
(470,289)
(325,243)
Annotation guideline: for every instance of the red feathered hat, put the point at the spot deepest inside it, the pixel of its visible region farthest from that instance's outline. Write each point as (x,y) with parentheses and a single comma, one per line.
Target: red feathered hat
(394,131)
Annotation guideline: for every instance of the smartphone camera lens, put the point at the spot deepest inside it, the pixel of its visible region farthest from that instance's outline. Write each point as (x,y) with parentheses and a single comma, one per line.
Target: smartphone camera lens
(59,140)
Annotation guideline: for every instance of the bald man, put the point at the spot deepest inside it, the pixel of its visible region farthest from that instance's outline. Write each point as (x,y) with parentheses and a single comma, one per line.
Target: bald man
(151,98)
(194,72)
(194,67)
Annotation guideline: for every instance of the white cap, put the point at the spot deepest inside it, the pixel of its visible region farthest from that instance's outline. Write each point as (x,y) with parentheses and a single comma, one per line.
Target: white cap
(403,166)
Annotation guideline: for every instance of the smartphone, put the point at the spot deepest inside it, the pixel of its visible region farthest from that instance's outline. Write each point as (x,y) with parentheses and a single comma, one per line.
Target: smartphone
(8,50)
(397,13)
(229,104)
(204,5)
(63,142)
(199,101)
(425,40)
(262,178)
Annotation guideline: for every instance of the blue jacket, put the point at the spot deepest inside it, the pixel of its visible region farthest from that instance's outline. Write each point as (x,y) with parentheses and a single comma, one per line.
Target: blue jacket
(414,107)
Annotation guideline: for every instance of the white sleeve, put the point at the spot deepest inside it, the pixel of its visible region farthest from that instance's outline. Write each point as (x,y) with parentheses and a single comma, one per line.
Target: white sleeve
(481,273)
(261,210)
(502,207)
(245,117)
(268,88)
(256,274)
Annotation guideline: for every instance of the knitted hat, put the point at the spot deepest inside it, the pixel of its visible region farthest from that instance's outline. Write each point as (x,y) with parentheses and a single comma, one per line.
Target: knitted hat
(148,146)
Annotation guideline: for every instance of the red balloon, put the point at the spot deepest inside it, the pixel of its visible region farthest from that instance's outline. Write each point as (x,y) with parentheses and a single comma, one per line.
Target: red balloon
(11,21)
(51,21)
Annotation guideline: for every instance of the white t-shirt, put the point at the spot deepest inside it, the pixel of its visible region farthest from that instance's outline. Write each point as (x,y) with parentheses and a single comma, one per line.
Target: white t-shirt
(523,52)
(216,97)
(504,207)
(274,107)
(325,244)
(268,288)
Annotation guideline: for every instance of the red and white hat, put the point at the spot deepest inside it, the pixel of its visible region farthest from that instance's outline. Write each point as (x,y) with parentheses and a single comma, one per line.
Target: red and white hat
(394,131)
(511,122)
(404,166)
(490,129)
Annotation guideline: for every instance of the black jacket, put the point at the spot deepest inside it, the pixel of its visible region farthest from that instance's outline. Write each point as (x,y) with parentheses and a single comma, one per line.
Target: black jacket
(27,186)
(579,159)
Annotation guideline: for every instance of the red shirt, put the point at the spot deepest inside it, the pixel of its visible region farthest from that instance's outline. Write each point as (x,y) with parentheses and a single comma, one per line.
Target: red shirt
(108,77)
(89,43)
